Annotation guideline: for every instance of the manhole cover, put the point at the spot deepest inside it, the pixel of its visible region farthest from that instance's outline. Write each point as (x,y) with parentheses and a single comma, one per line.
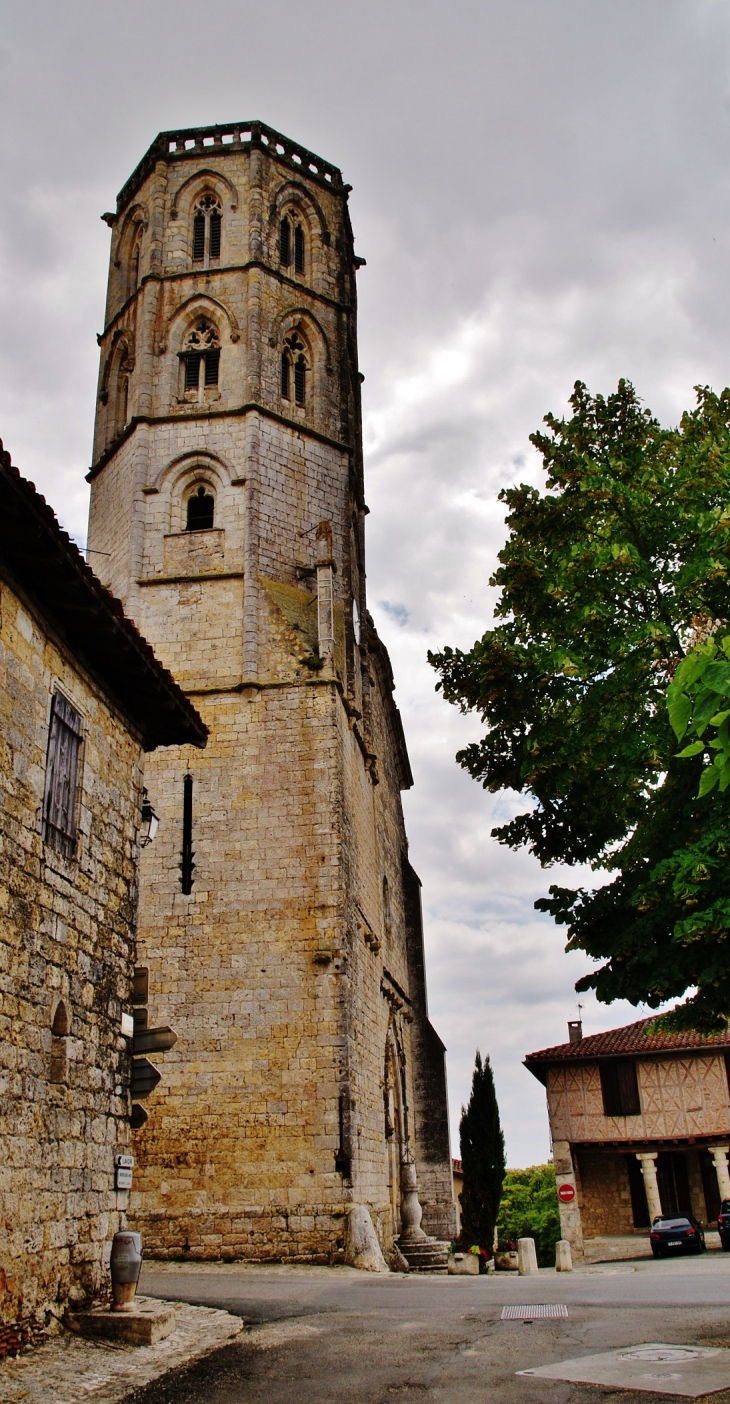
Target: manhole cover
(662,1355)
(534,1313)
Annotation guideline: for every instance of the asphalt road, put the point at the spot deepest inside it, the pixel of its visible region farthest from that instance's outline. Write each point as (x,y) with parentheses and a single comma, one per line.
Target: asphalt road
(334,1336)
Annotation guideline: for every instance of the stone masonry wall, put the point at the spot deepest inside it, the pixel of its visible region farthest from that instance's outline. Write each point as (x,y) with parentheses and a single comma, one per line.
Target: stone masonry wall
(287,972)
(66,932)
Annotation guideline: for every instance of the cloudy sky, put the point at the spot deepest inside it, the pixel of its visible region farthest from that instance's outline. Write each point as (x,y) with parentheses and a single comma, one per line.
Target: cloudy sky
(542,192)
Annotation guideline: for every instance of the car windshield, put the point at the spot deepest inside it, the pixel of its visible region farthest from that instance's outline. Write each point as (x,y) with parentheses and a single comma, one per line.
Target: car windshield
(725,1206)
(671,1223)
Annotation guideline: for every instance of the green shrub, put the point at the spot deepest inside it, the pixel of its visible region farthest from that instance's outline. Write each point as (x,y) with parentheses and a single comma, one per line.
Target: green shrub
(529,1209)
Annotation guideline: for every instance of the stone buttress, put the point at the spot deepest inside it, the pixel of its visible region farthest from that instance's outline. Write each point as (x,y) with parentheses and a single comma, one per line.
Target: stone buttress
(279,921)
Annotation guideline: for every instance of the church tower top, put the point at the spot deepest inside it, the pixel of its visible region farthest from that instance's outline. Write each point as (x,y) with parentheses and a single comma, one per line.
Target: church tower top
(191,143)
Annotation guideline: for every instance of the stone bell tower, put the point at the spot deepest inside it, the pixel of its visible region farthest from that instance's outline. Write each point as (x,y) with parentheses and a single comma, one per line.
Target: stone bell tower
(279,920)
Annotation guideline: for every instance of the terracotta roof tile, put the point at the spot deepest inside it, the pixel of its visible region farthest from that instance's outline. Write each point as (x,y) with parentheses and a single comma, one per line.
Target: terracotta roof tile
(632,1038)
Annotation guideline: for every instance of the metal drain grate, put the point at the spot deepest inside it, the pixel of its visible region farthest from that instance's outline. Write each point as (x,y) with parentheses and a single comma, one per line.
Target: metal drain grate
(534,1313)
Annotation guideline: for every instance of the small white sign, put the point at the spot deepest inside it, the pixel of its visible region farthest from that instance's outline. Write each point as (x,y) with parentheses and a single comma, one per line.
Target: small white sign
(127,1026)
(124,1178)
(127,1161)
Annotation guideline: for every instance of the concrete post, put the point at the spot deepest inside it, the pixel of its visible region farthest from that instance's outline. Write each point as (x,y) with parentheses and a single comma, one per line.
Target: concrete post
(563,1259)
(526,1256)
(719,1156)
(647,1161)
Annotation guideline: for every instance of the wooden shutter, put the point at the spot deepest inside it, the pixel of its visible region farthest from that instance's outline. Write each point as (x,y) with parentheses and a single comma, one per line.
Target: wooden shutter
(59,808)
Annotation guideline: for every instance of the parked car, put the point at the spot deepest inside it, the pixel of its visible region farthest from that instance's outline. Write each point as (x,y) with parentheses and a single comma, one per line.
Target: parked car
(723,1224)
(680,1234)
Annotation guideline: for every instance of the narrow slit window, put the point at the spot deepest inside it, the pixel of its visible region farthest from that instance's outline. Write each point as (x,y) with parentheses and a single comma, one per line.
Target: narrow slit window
(199,238)
(201,510)
(285,393)
(285,243)
(187,866)
(298,249)
(59,805)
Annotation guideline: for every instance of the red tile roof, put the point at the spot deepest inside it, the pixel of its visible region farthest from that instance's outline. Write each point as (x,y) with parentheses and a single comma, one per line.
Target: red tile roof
(631,1039)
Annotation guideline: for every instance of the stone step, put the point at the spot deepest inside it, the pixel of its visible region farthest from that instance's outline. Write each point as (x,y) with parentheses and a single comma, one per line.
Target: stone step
(426,1255)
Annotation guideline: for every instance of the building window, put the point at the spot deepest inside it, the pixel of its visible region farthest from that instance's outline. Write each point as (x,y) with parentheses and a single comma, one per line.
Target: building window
(387,915)
(134,264)
(620,1088)
(59,803)
(187,866)
(294,370)
(59,1045)
(207,221)
(291,243)
(201,508)
(201,357)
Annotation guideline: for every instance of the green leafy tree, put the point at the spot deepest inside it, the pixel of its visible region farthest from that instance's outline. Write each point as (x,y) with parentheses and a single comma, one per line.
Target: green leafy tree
(482,1158)
(607,579)
(529,1209)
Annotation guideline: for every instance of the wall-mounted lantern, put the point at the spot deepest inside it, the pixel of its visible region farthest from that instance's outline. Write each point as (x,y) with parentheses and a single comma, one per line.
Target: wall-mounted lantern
(150,822)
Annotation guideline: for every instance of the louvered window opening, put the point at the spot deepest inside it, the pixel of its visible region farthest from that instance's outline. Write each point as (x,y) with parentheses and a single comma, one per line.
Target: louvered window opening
(285,243)
(215,235)
(300,370)
(285,366)
(199,237)
(201,509)
(298,249)
(211,360)
(207,230)
(620,1088)
(59,805)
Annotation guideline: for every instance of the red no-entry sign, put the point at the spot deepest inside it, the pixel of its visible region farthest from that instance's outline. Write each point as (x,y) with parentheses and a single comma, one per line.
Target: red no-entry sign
(566,1193)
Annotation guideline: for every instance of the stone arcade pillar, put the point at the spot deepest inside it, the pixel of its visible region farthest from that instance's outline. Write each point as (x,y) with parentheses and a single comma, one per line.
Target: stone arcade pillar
(719,1156)
(571,1228)
(647,1161)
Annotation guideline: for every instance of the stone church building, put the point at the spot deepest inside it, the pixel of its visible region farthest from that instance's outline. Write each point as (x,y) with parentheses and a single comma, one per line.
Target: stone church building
(279,921)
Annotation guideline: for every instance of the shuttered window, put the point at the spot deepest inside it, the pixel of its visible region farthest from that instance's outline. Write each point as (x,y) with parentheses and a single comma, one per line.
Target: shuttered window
(285,374)
(59,804)
(620,1088)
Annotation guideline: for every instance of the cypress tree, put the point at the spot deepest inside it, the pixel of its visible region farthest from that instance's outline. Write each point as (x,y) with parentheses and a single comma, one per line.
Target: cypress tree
(482,1157)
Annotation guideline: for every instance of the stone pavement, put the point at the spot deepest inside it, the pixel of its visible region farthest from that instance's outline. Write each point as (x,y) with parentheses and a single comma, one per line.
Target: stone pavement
(70,1370)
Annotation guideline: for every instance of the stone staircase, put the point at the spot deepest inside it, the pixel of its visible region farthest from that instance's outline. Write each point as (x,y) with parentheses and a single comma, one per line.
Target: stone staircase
(425,1254)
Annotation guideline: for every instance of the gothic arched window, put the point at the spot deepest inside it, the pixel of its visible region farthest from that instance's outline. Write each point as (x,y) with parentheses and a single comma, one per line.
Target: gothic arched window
(291,243)
(200,357)
(134,263)
(201,509)
(294,370)
(207,222)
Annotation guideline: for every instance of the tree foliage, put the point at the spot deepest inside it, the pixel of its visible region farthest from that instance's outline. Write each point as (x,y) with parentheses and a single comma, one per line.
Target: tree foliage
(607,579)
(482,1157)
(529,1209)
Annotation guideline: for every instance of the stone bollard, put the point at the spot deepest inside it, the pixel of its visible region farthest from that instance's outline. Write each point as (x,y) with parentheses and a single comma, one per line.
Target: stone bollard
(563,1259)
(526,1256)
(125,1265)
